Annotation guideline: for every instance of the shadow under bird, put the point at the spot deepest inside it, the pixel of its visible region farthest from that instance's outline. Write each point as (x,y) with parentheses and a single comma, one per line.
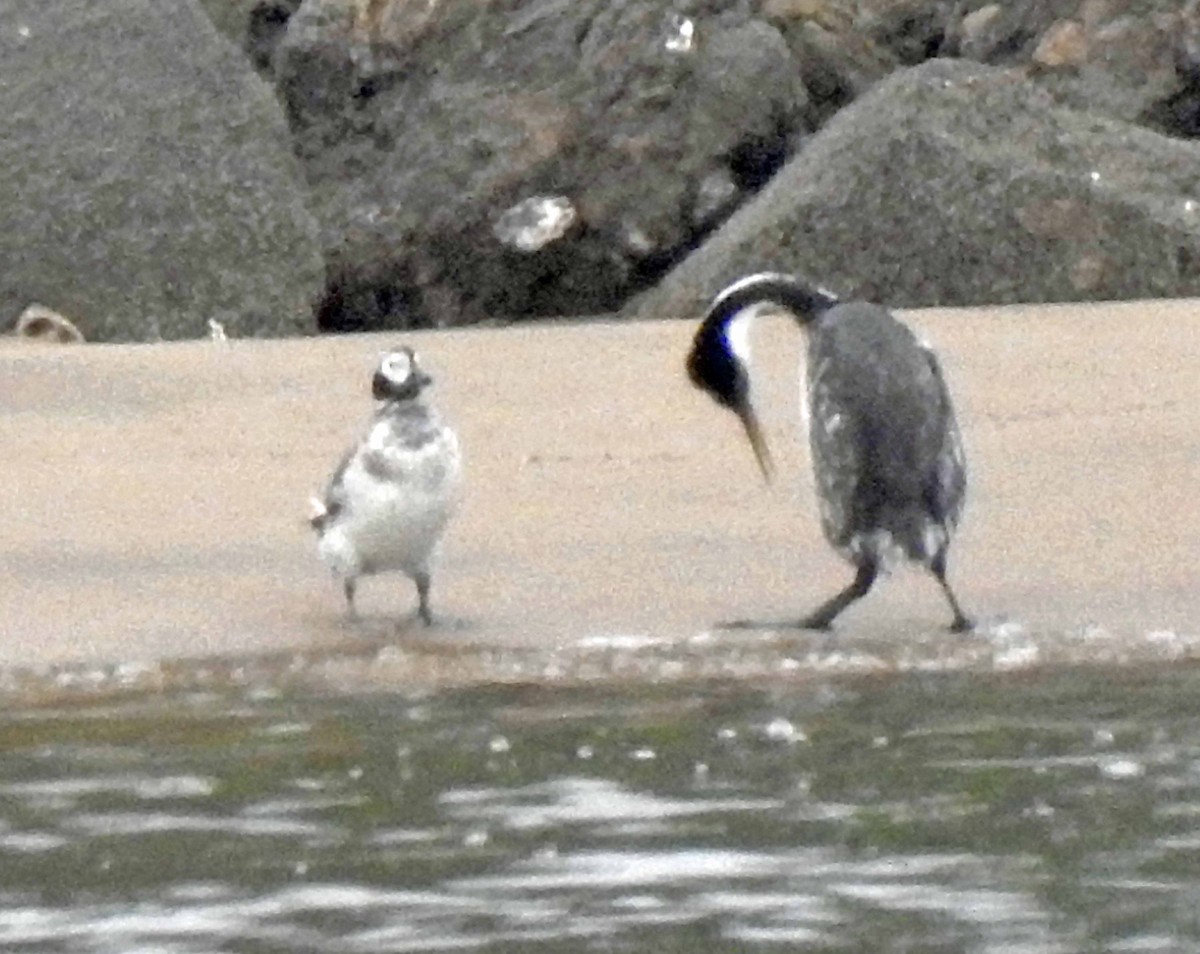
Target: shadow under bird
(886,450)
(389,500)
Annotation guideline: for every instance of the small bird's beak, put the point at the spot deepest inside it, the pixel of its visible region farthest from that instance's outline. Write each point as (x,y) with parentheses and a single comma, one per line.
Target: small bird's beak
(758,443)
(317,512)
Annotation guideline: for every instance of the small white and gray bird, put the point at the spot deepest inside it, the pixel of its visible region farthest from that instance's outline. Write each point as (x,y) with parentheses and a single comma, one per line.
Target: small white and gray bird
(886,450)
(389,500)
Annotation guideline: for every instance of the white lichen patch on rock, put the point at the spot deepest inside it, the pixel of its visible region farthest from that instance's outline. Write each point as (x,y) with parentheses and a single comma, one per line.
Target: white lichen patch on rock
(534,223)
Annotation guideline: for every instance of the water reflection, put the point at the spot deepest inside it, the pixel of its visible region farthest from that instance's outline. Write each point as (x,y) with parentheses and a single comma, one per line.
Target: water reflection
(1041,812)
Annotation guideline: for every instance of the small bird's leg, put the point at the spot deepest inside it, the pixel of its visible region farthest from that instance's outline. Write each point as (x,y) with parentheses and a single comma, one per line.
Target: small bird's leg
(962,622)
(348,587)
(422,581)
(823,615)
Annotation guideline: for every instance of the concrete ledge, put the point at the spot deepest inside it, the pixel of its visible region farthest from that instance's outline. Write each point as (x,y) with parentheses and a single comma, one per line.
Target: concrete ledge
(154,500)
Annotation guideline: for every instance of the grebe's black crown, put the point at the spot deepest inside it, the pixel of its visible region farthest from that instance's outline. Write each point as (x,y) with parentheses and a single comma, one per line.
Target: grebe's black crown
(399,377)
(805,300)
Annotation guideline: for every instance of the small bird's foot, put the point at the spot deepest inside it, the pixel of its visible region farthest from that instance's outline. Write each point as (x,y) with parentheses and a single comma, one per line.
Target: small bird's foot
(423,583)
(349,585)
(962,624)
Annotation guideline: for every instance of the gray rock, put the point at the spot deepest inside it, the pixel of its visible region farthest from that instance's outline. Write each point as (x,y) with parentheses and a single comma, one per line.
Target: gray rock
(1118,59)
(952,184)
(913,30)
(257,26)
(230,17)
(837,67)
(422,125)
(150,181)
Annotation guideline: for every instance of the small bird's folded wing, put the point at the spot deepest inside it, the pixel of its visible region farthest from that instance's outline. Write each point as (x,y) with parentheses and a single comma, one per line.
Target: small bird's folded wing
(321,512)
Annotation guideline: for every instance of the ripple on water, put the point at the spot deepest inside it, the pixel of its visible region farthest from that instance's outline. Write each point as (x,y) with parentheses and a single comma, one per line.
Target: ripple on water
(626,869)
(68,792)
(112,824)
(935,813)
(579,800)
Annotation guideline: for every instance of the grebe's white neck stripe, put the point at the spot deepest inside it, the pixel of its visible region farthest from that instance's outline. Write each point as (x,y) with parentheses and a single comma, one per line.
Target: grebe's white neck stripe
(737,334)
(737,329)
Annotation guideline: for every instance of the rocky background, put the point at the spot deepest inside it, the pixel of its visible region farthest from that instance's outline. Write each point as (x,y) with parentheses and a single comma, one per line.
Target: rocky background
(282,166)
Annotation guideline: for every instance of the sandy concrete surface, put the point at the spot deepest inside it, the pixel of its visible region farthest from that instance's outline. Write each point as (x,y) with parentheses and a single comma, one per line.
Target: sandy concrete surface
(154,496)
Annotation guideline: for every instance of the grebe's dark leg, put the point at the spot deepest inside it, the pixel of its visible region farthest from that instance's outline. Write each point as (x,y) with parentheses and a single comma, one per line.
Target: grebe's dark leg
(962,622)
(823,615)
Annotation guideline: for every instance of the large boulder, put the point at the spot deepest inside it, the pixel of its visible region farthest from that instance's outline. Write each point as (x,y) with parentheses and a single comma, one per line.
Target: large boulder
(530,156)
(150,181)
(952,183)
(1117,59)
(1126,59)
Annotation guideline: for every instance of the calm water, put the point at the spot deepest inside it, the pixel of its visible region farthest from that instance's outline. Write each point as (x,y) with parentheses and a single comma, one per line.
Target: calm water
(960,813)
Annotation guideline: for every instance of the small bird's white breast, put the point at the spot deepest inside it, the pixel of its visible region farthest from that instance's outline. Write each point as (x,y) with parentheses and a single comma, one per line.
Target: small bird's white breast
(397,502)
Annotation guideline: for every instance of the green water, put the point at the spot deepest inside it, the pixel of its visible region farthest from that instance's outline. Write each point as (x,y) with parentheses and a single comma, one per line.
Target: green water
(1045,812)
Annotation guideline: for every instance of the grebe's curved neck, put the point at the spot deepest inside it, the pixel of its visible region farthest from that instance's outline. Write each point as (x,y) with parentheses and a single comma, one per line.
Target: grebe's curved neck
(767,291)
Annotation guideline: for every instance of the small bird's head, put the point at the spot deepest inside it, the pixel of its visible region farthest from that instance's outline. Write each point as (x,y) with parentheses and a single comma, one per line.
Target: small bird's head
(399,377)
